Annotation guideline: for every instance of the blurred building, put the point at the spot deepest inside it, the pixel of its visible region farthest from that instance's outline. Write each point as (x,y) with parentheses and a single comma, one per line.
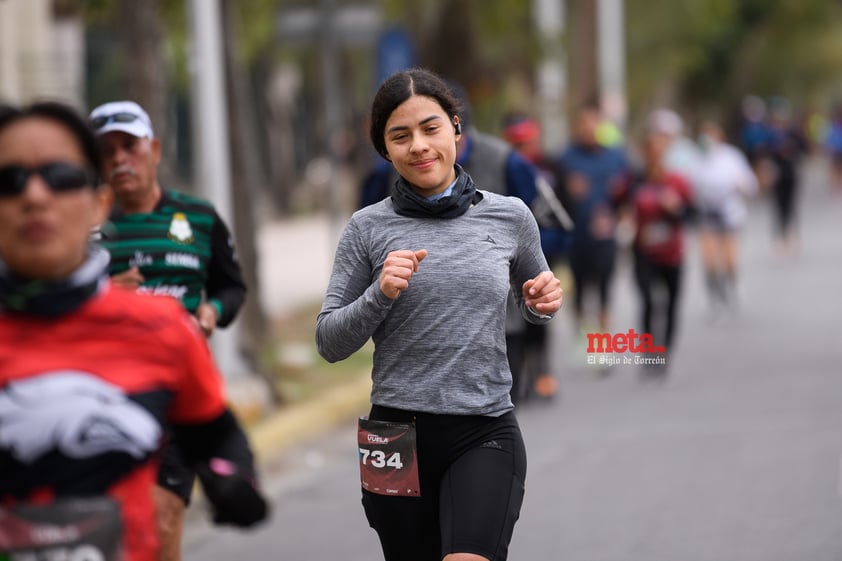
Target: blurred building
(41,53)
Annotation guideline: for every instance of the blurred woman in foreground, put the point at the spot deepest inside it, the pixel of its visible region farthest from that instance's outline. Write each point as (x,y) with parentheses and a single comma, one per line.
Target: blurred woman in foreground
(88,372)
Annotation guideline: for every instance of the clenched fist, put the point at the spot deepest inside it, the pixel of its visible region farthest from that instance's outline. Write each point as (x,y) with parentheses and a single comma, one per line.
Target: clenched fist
(543,293)
(398,269)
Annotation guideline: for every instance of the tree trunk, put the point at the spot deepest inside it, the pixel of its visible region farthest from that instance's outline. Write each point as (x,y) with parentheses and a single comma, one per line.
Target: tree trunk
(582,54)
(280,84)
(454,31)
(146,73)
(246,176)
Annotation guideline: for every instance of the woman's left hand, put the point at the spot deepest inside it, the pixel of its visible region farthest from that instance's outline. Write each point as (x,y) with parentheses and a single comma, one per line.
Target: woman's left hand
(543,293)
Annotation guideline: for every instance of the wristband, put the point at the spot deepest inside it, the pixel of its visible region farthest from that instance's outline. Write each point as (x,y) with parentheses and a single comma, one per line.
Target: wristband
(539,315)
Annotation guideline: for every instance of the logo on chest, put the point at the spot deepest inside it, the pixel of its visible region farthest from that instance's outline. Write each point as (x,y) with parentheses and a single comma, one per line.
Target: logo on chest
(180,230)
(74,413)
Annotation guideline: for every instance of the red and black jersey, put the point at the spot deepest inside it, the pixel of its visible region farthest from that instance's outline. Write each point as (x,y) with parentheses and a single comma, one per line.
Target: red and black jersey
(83,398)
(659,233)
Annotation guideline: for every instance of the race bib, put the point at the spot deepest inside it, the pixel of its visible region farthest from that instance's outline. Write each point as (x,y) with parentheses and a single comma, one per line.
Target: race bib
(69,530)
(388,458)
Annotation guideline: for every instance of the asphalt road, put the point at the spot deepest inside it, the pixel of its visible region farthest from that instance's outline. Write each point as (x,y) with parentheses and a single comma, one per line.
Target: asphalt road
(737,456)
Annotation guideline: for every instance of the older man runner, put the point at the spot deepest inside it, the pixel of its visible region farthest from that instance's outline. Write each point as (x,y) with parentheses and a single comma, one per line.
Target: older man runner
(169,243)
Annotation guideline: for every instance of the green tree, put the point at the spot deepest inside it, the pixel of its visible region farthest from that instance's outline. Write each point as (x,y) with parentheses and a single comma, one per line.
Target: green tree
(705,55)
(487,46)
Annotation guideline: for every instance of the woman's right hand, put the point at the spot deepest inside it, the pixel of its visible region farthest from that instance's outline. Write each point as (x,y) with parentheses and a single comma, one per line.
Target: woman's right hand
(398,269)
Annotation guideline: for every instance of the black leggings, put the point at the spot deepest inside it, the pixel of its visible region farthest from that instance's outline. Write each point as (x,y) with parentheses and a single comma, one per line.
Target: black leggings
(472,471)
(650,276)
(592,265)
(784,194)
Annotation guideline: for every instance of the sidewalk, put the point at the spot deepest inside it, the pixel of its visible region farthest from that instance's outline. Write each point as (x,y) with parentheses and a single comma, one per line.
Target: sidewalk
(295,261)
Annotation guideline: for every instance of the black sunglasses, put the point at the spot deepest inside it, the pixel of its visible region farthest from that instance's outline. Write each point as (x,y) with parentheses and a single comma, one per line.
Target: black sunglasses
(122,117)
(59,176)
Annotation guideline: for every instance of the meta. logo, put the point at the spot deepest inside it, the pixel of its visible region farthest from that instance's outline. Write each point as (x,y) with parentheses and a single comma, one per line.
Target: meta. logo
(623,342)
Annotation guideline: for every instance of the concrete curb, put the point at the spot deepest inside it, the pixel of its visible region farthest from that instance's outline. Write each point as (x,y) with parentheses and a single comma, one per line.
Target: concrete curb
(293,424)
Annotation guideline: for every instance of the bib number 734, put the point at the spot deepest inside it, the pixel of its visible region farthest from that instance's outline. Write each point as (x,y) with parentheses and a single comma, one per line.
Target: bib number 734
(378,458)
(388,458)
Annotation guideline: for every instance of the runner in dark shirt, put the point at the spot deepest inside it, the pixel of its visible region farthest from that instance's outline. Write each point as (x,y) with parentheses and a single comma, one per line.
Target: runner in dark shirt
(658,201)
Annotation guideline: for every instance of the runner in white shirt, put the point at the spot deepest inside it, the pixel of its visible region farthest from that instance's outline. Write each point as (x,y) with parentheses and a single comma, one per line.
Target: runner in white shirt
(722,180)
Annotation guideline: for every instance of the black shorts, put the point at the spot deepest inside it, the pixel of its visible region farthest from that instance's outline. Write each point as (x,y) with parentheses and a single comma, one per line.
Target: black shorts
(472,471)
(175,473)
(714,221)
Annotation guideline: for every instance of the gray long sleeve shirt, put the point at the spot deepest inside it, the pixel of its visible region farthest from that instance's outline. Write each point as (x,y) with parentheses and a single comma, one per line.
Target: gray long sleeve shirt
(440,346)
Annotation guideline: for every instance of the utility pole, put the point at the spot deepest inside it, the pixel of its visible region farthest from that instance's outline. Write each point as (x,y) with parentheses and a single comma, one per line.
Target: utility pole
(211,162)
(549,17)
(612,61)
